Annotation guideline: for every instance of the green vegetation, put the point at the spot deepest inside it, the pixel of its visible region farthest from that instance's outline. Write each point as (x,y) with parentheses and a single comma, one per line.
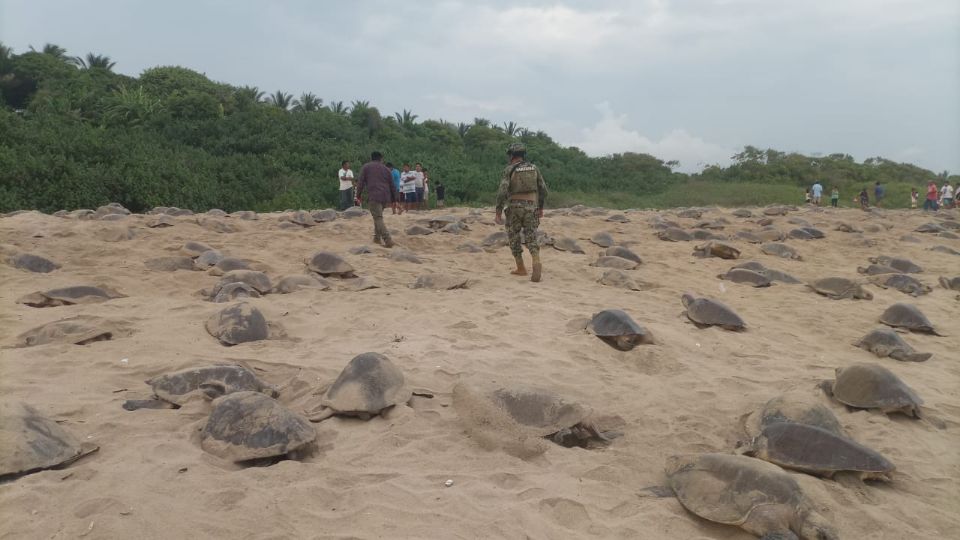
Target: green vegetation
(75,134)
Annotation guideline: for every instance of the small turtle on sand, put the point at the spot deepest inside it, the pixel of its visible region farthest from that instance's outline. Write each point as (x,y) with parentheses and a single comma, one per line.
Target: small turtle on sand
(770,234)
(367,386)
(256,280)
(618,218)
(692,213)
(716,249)
(78,330)
(228,264)
(705,312)
(847,228)
(814,233)
(799,234)
(161,221)
(817,451)
(877,269)
(30,442)
(902,265)
(329,264)
(439,222)
(440,282)
(323,216)
(509,416)
(872,386)
(780,250)
(33,263)
(250,425)
(952,284)
(208,258)
(609,261)
(759,497)
(674,234)
(353,212)
(565,243)
(169,264)
(602,239)
(300,217)
(750,277)
(455,228)
(903,283)
(701,234)
(750,237)
(777,210)
(417,230)
(907,316)
(796,406)
(742,213)
(945,249)
(620,279)
(885,342)
(291,284)
(837,288)
(172,390)
(495,240)
(246,215)
(469,247)
(618,330)
(68,296)
(623,253)
(230,292)
(194,249)
(929,228)
(239,323)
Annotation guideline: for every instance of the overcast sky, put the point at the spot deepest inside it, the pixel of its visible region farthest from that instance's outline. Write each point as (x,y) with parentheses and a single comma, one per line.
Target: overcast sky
(692,80)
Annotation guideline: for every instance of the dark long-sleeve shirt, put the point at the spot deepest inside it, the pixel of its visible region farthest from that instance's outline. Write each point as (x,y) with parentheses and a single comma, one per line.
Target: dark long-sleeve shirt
(377,182)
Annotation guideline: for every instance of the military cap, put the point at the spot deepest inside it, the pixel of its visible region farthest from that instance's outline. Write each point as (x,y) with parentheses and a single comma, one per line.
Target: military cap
(516,147)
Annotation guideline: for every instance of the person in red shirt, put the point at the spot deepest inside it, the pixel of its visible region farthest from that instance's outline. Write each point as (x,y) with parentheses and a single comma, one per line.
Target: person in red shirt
(931,202)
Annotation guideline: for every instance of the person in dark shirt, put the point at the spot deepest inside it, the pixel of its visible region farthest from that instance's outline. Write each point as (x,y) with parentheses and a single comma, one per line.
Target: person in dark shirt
(377,182)
(440,193)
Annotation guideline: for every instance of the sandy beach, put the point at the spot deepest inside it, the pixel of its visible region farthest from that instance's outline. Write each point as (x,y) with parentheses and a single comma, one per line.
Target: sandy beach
(386,477)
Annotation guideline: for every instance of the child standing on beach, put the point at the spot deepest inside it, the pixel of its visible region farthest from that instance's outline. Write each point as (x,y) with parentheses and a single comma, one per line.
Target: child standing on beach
(806,195)
(914,195)
(835,197)
(864,199)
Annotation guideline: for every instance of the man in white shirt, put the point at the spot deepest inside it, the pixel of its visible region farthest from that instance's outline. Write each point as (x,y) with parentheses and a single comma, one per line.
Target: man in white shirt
(817,190)
(408,186)
(345,176)
(418,185)
(946,195)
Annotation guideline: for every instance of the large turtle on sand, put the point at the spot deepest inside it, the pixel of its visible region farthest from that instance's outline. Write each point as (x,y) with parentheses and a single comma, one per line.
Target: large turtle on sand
(233,291)
(33,263)
(68,296)
(795,406)
(30,442)
(169,264)
(780,250)
(749,277)
(418,230)
(602,239)
(716,249)
(885,342)
(773,275)
(872,386)
(174,389)
(837,288)
(952,284)
(239,323)
(623,253)
(329,264)
(78,330)
(618,330)
(903,283)
(227,265)
(513,417)
(944,249)
(877,270)
(817,451)
(565,243)
(251,425)
(495,240)
(902,265)
(674,234)
(194,249)
(705,312)
(208,258)
(609,261)
(441,282)
(901,315)
(253,278)
(367,386)
(759,497)
(291,284)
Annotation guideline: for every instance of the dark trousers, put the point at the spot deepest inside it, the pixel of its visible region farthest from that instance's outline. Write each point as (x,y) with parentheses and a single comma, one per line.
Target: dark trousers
(346,198)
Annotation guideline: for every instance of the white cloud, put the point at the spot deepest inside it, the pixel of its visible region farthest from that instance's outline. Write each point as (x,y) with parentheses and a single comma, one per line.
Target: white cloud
(611,135)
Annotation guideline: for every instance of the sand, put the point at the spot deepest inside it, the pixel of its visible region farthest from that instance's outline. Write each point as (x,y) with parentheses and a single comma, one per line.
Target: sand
(385,477)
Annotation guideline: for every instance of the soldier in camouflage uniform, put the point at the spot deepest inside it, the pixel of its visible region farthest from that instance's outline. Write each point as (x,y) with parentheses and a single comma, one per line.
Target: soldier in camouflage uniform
(522,191)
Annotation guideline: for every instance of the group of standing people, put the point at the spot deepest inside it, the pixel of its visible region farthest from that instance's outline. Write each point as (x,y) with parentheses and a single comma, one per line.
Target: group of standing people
(815,195)
(412,187)
(936,198)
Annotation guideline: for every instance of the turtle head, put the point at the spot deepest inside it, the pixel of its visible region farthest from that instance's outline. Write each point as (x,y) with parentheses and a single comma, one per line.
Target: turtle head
(687,298)
(815,527)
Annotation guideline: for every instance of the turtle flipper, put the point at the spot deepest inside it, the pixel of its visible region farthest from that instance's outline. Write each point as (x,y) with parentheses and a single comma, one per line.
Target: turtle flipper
(319,414)
(657,491)
(213,390)
(134,404)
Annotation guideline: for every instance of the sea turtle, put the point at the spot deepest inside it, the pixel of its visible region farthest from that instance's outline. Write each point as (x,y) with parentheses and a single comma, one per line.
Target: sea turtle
(618,278)
(417,230)
(68,296)
(749,236)
(759,497)
(172,390)
(846,227)
(764,222)
(566,243)
(239,323)
(114,234)
(496,240)
(256,280)
(251,425)
(952,284)
(903,283)
(799,234)
(367,386)
(814,233)
(778,210)
(717,249)
(705,312)
(618,330)
(31,442)
(457,227)
(692,213)
(515,417)
(439,222)
(323,216)
(885,342)
(702,234)
(353,212)
(246,215)
(174,211)
(469,247)
(161,221)
(208,258)
(228,264)
(360,250)
(291,284)
(770,234)
(929,228)
(230,292)
(440,282)
(216,212)
(194,249)
(817,451)
(713,224)
(743,275)
(602,239)
(329,264)
(299,217)
(877,269)
(795,406)
(609,261)
(948,234)
(903,265)
(911,239)
(907,316)
(33,263)
(780,250)
(169,264)
(944,249)
(623,253)
(872,386)
(798,221)
(742,213)
(660,224)
(618,218)
(78,330)
(674,234)
(837,288)
(403,255)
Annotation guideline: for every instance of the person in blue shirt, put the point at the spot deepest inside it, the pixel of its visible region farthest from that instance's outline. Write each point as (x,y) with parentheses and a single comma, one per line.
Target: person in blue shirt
(395,174)
(878,194)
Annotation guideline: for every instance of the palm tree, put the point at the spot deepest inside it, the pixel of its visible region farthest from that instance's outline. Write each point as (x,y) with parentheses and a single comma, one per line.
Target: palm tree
(308,102)
(463,128)
(94,61)
(250,94)
(55,51)
(337,107)
(482,122)
(406,119)
(511,128)
(280,99)
(524,133)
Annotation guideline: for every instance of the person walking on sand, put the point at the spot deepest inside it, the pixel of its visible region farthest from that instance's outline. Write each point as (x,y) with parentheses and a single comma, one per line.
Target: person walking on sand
(878,194)
(817,192)
(345,175)
(835,197)
(523,192)
(931,201)
(914,196)
(375,180)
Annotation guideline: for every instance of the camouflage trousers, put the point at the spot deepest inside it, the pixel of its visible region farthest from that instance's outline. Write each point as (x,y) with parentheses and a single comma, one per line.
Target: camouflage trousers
(522,220)
(379,227)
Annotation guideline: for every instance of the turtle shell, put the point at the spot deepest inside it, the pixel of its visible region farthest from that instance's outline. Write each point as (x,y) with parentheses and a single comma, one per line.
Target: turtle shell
(194,249)
(208,258)
(368,384)
(872,386)
(837,288)
(742,213)
(950,283)
(418,230)
(537,412)
(228,264)
(877,269)
(623,253)
(602,239)
(907,316)
(707,312)
(255,279)
(67,296)
(291,284)
(901,265)
(323,216)
(566,243)
(440,282)
(239,323)
(176,387)
(885,342)
(674,234)
(33,263)
(251,425)
(496,240)
(903,283)
(169,264)
(79,330)
(817,451)
(31,442)
(329,264)
(619,330)
(795,407)
(743,275)
(780,250)
(234,291)
(609,261)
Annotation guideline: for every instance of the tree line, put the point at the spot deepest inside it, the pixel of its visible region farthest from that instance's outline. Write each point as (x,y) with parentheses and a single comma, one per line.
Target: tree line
(76,134)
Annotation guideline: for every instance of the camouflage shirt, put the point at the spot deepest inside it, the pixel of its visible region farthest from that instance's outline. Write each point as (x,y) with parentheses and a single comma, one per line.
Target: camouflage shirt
(503,194)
